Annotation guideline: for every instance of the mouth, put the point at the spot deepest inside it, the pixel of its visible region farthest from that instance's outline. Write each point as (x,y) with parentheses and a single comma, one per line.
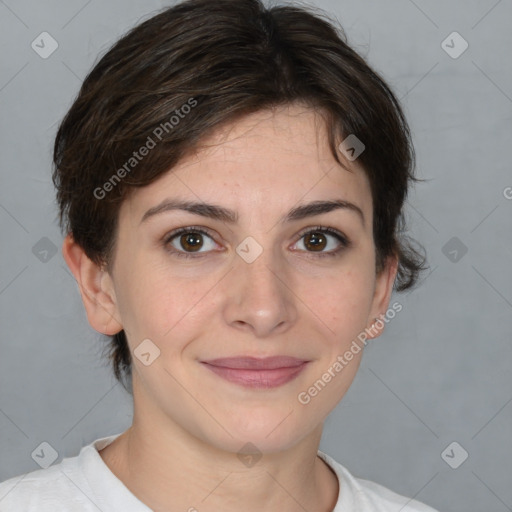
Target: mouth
(251,372)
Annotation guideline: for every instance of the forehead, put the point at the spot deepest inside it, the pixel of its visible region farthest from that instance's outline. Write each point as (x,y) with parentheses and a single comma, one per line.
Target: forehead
(272,158)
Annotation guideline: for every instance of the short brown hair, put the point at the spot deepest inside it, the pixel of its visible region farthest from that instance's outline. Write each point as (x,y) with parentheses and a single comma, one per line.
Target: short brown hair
(232,58)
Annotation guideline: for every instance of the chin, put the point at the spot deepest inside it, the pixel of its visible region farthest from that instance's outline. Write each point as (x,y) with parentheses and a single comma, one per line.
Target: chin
(269,432)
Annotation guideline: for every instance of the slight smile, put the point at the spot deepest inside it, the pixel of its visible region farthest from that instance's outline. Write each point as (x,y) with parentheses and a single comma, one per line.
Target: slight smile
(263,373)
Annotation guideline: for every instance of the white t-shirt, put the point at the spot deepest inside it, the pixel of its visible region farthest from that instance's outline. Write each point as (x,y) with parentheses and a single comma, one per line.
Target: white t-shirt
(85,483)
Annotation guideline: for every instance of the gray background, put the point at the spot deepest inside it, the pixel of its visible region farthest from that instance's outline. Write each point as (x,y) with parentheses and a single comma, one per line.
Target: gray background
(442,370)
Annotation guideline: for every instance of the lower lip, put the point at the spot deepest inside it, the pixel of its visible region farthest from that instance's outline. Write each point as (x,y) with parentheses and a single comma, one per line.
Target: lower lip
(263,379)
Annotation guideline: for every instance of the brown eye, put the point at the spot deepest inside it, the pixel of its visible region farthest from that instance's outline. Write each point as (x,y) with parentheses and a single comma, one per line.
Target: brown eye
(315,241)
(191,241)
(323,241)
(187,241)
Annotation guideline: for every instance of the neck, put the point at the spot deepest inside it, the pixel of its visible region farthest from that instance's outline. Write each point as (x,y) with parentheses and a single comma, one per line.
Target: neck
(168,469)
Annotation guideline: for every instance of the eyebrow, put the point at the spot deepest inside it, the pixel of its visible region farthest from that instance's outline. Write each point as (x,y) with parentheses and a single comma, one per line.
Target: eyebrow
(229,216)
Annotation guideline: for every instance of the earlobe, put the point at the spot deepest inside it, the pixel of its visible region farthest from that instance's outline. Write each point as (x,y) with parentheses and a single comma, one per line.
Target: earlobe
(383,289)
(96,288)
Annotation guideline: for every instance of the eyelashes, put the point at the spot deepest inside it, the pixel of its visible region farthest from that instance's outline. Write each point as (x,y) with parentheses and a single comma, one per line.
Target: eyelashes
(342,240)
(193,238)
(184,234)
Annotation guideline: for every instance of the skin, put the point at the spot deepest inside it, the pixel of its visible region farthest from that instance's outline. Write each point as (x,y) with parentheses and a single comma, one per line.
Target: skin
(189,424)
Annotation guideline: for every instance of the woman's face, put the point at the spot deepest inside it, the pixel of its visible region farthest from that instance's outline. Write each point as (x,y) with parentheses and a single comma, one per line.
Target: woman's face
(252,277)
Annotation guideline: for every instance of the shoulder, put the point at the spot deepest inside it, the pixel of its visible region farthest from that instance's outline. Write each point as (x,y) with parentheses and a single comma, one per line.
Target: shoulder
(358,494)
(66,486)
(42,490)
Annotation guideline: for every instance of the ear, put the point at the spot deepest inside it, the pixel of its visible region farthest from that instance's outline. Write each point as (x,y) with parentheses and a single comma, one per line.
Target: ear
(383,289)
(96,288)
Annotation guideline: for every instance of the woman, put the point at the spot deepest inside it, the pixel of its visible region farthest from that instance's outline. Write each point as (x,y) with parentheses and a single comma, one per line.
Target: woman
(230,182)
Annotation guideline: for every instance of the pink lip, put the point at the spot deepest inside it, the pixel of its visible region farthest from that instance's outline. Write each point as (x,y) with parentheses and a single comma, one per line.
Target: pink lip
(254,372)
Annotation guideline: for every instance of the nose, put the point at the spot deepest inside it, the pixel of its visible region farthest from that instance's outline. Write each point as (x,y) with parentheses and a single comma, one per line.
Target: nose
(259,297)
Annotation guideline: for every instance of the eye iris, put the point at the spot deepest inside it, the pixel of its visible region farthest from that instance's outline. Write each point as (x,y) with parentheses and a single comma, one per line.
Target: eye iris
(191,241)
(316,241)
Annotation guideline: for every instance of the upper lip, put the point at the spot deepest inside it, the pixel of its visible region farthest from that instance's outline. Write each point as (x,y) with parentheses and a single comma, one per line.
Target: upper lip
(256,363)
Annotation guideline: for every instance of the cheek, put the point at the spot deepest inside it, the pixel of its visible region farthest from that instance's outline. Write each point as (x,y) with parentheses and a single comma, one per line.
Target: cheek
(152,303)
(342,301)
